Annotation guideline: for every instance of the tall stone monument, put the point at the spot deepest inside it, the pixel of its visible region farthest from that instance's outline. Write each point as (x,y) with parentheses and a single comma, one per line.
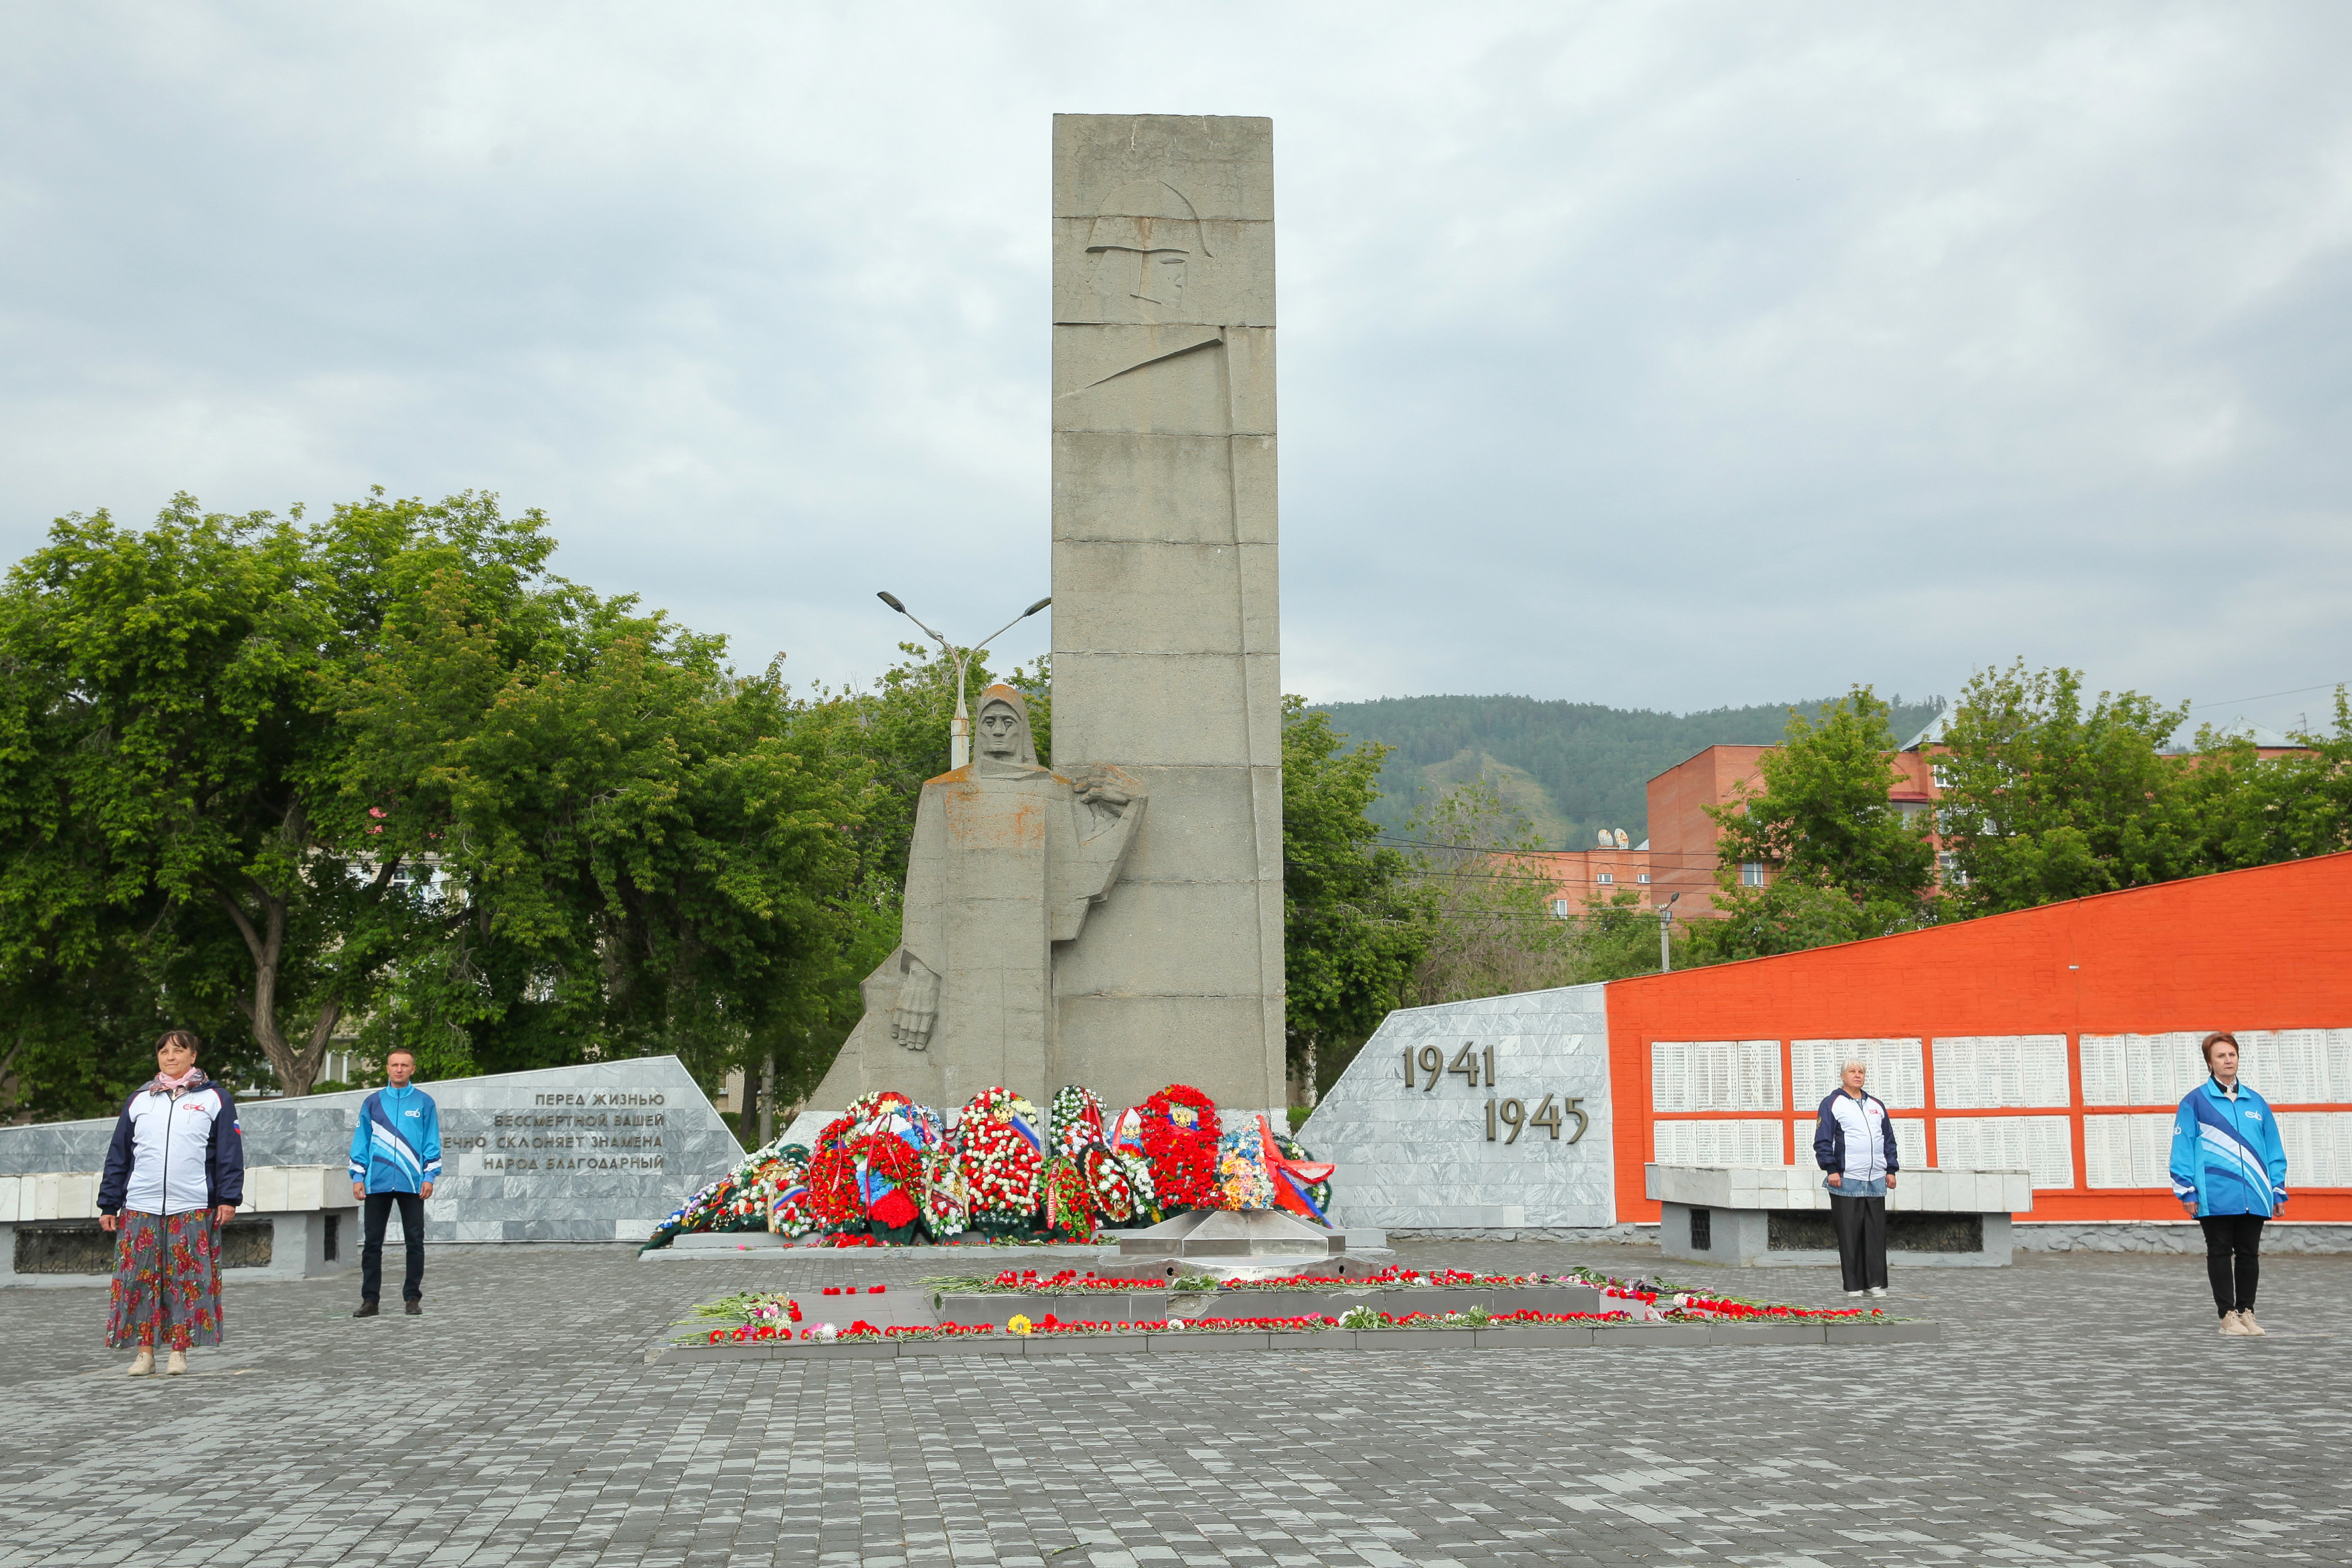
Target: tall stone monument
(1056,931)
(1166,648)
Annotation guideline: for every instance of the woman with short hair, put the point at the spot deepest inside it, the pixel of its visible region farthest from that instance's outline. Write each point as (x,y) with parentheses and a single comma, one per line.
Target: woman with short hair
(2228,1170)
(175,1175)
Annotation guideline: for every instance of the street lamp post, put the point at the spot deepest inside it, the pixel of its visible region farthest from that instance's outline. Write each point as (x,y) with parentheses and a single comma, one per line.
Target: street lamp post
(1665,935)
(960,731)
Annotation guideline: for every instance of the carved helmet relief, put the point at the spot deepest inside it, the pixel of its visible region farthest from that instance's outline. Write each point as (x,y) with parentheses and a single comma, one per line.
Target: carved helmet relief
(1143,246)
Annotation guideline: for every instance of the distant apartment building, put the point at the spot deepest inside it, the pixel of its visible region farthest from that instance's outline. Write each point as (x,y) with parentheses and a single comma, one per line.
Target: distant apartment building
(1679,855)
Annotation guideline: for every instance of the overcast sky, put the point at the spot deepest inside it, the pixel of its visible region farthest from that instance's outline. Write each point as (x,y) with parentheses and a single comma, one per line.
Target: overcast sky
(1659,356)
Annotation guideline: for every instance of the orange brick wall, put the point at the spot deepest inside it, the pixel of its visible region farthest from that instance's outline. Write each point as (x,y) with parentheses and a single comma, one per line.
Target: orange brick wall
(2264,949)
(1681,835)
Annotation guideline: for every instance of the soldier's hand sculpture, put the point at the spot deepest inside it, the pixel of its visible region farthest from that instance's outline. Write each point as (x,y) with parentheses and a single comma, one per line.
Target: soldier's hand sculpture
(918,1006)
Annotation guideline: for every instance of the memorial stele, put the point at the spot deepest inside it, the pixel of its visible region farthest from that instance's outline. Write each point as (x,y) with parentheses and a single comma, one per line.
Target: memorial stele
(1115,920)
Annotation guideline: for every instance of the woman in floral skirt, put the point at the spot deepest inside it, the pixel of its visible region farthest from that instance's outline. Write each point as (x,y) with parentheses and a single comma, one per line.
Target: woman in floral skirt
(175,1175)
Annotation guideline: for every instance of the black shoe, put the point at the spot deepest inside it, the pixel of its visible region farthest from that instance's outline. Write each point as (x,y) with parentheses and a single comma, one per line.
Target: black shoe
(367,1309)
(415,1308)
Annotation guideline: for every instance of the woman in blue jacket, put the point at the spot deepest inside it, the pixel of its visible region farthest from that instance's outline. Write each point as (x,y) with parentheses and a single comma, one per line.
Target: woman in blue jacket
(2228,1170)
(175,1175)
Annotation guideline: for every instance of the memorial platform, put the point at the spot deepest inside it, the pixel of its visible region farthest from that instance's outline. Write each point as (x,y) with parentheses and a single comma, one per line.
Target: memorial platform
(1756,1215)
(297,1222)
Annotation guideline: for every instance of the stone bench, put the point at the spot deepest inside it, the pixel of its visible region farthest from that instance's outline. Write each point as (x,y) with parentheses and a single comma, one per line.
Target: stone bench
(297,1222)
(1777,1215)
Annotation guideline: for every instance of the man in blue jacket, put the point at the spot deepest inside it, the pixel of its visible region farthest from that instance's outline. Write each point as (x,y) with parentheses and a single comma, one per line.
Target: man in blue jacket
(1854,1142)
(396,1159)
(2229,1169)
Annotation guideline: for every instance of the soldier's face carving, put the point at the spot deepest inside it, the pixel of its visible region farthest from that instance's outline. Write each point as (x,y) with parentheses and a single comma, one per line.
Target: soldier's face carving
(999,731)
(1163,278)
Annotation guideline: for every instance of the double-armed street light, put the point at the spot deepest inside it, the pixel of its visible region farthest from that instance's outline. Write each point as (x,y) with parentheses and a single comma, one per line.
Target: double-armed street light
(960,733)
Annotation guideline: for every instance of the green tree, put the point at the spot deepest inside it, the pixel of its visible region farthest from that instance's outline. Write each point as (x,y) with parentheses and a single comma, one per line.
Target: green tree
(161,748)
(2043,798)
(1492,930)
(1846,862)
(2253,810)
(632,848)
(1351,930)
(1616,938)
(384,768)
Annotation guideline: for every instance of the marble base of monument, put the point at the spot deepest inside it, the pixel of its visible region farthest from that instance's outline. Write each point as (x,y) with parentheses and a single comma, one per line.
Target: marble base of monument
(1246,1244)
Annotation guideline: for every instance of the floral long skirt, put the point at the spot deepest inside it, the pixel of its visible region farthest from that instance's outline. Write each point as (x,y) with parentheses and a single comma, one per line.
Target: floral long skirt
(167,1290)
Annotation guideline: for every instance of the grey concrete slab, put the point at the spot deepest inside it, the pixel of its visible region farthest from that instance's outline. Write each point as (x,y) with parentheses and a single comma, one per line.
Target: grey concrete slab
(514,1423)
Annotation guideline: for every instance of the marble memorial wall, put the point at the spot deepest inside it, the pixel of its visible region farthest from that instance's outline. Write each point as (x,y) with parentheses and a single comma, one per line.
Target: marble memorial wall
(600,1151)
(1476,1116)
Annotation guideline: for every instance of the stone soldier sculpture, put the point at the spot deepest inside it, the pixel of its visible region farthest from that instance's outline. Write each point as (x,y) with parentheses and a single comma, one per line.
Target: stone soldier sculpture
(1008,858)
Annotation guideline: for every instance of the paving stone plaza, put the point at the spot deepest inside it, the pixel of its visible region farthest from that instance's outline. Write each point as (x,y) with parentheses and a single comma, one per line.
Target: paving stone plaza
(2080,1410)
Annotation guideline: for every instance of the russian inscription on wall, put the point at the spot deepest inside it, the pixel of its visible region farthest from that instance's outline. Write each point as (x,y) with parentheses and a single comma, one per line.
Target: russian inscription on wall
(602,1151)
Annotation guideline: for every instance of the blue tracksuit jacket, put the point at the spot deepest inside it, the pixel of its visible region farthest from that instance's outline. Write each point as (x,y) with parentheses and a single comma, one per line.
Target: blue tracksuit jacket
(396,1147)
(2226,1153)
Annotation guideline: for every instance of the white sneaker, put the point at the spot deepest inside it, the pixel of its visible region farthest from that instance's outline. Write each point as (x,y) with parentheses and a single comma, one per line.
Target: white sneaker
(143,1364)
(2230,1324)
(1854,1292)
(177,1365)
(2246,1324)
(1876,1290)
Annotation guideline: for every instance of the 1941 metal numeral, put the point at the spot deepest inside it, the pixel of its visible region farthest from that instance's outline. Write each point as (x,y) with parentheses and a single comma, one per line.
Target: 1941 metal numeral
(1467,1061)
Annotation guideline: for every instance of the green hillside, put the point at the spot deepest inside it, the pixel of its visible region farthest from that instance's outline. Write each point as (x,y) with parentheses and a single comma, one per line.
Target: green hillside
(1572,767)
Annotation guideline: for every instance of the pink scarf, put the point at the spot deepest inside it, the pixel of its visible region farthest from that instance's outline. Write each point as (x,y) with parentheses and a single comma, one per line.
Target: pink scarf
(177,1087)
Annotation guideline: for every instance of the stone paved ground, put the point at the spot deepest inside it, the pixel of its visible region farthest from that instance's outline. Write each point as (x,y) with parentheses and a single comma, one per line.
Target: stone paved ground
(2080,1411)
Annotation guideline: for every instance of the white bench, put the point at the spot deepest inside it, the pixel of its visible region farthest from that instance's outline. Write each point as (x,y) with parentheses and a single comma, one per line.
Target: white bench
(297,1221)
(1778,1215)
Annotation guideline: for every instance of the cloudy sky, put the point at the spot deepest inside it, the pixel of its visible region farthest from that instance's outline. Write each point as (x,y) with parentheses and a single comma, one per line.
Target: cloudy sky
(1668,355)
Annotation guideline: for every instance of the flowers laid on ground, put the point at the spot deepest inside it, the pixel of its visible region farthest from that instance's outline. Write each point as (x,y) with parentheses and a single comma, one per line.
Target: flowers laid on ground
(1360,1319)
(888,1171)
(1642,1301)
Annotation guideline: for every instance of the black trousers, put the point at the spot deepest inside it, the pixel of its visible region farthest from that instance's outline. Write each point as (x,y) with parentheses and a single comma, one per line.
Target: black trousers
(412,1229)
(1862,1240)
(2233,1238)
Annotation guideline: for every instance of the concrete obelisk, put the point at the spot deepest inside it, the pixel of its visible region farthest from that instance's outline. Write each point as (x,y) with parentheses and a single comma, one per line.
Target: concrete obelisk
(1165,636)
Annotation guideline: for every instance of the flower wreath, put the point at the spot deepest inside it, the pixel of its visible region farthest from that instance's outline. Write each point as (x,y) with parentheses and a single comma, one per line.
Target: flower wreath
(833,1195)
(1002,1154)
(867,1107)
(1242,1180)
(1318,1194)
(1078,1119)
(1180,1138)
(945,1200)
(783,1192)
(1107,1179)
(1069,1204)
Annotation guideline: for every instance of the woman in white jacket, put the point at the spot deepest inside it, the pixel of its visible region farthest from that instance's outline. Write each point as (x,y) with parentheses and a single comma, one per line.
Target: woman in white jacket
(175,1175)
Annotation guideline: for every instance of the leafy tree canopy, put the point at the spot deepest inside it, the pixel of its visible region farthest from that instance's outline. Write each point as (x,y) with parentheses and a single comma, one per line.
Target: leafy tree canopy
(383,767)
(1352,930)
(1846,863)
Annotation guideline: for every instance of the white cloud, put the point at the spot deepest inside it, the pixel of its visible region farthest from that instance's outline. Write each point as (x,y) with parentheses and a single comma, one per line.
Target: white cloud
(1672,355)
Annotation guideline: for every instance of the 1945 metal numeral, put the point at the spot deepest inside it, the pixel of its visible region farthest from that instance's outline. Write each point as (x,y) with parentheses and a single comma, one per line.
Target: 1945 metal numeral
(1513,1115)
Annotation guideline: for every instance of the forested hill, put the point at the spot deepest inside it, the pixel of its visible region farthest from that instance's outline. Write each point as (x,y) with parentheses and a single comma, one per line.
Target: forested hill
(1572,767)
